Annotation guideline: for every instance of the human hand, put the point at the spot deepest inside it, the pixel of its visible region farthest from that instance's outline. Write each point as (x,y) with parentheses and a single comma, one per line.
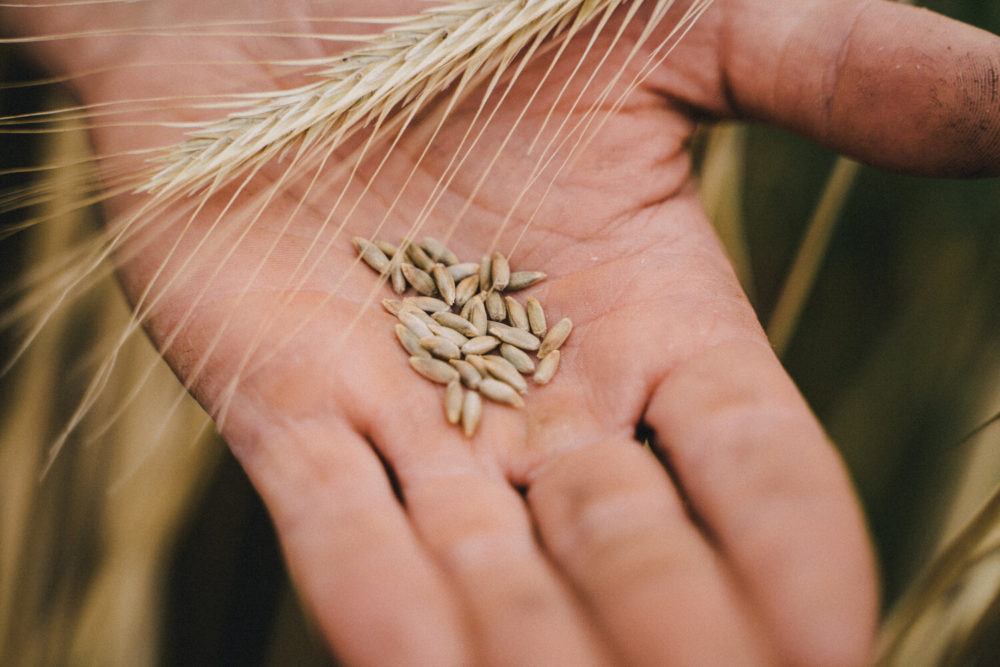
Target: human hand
(553,536)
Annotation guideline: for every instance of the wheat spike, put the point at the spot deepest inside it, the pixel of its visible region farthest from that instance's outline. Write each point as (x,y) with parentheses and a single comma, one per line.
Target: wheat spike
(403,68)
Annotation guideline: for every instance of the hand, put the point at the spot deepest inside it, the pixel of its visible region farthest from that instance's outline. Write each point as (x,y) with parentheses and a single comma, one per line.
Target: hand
(552,537)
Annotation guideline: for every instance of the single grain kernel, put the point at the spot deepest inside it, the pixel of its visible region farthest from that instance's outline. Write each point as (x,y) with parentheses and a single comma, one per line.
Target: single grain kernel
(439,252)
(495,307)
(472,412)
(485,273)
(500,392)
(453,397)
(480,345)
(411,342)
(428,304)
(556,336)
(523,279)
(547,367)
(516,337)
(441,348)
(470,376)
(516,314)
(536,317)
(419,279)
(464,270)
(458,323)
(517,358)
(466,289)
(445,283)
(434,370)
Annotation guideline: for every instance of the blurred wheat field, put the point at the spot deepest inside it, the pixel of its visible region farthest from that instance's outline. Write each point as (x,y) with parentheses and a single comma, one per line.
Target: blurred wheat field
(144,544)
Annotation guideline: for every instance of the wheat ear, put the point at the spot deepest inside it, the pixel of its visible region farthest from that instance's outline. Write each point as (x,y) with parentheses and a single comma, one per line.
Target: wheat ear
(407,66)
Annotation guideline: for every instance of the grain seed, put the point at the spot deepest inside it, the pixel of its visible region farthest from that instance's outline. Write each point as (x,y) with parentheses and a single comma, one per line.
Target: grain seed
(477,315)
(370,253)
(448,333)
(462,271)
(417,312)
(480,345)
(428,304)
(411,342)
(421,280)
(445,283)
(418,256)
(485,273)
(500,272)
(457,322)
(453,397)
(547,367)
(495,307)
(410,320)
(439,252)
(397,278)
(440,347)
(517,357)
(472,412)
(466,289)
(434,370)
(555,337)
(503,370)
(392,306)
(479,363)
(523,279)
(516,314)
(536,317)
(500,392)
(389,249)
(516,337)
(470,376)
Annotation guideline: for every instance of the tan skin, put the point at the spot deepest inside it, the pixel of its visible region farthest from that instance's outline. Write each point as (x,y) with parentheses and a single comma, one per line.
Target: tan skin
(552,537)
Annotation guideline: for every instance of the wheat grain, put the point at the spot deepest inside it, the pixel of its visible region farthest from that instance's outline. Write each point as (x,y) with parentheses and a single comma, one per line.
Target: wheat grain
(411,342)
(434,370)
(419,279)
(410,320)
(456,322)
(454,397)
(439,252)
(520,280)
(500,392)
(547,367)
(466,289)
(503,370)
(480,345)
(516,314)
(472,412)
(495,308)
(470,376)
(485,274)
(516,337)
(445,283)
(428,304)
(464,270)
(417,255)
(517,357)
(448,333)
(536,317)
(500,272)
(556,336)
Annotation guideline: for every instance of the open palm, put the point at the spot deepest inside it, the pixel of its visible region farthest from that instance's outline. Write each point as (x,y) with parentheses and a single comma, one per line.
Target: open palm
(553,536)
